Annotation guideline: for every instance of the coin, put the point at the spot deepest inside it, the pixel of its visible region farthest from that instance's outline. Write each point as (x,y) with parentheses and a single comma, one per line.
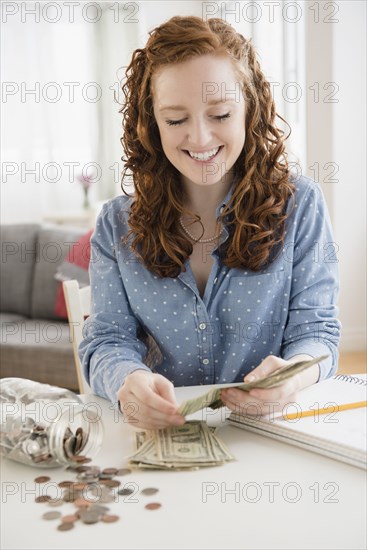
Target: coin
(88,516)
(64,484)
(42,479)
(123,472)
(110,482)
(42,498)
(105,476)
(78,469)
(70,496)
(80,458)
(105,498)
(70,518)
(51,515)
(80,486)
(109,518)
(99,509)
(149,491)
(110,471)
(125,492)
(153,506)
(82,503)
(65,526)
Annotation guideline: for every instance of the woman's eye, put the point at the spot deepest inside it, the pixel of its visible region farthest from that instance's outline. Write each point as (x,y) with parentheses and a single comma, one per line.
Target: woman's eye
(175,122)
(222,117)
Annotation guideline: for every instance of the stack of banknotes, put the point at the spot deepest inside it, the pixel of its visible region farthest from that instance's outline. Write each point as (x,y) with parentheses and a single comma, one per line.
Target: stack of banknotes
(191,446)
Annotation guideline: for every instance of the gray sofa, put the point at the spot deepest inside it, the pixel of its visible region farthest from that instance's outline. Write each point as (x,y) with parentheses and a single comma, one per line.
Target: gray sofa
(35,342)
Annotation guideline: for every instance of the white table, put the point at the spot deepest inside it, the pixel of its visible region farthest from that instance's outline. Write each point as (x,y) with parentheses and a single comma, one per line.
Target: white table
(317,502)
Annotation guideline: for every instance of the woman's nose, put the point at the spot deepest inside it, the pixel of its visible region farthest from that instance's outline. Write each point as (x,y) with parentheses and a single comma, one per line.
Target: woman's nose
(199,134)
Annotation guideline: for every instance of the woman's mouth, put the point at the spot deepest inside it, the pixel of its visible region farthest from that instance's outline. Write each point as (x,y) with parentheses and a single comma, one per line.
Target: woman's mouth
(206,156)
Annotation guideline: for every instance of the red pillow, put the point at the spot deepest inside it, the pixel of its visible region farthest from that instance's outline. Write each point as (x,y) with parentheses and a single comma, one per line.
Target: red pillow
(74,266)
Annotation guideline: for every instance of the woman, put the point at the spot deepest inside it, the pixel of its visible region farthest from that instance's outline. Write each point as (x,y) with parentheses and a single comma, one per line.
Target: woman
(222,259)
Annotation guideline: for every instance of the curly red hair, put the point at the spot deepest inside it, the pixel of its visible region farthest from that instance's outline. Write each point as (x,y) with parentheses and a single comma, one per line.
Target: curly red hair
(255,216)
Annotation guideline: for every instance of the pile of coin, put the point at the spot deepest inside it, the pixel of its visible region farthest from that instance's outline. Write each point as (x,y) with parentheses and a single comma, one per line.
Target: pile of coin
(89,494)
(27,441)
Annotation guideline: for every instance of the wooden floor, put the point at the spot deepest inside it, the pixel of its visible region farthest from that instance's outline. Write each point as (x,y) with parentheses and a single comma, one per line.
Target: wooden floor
(352,362)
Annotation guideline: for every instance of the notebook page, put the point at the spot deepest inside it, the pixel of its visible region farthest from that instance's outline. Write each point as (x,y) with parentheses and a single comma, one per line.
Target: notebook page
(344,427)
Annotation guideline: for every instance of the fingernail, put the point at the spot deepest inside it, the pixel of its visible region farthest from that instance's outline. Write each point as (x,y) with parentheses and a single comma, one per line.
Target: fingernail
(250,378)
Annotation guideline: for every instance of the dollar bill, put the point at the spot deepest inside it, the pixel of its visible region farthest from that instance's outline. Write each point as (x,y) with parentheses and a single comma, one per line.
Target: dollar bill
(212,398)
(191,446)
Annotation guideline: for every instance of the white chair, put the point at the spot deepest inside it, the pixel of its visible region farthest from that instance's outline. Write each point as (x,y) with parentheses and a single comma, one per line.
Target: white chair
(78,301)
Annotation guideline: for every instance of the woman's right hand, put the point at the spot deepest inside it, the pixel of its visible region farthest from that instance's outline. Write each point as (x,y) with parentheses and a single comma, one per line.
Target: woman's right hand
(148,402)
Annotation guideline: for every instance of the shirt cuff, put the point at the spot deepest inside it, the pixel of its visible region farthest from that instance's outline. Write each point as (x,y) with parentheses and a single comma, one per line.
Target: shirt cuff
(327,367)
(114,380)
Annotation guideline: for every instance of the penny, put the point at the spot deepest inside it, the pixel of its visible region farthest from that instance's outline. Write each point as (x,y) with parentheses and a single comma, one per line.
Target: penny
(110,471)
(79,486)
(42,479)
(64,484)
(43,498)
(125,492)
(109,518)
(80,458)
(123,472)
(70,518)
(51,515)
(65,526)
(153,506)
(149,491)
(82,503)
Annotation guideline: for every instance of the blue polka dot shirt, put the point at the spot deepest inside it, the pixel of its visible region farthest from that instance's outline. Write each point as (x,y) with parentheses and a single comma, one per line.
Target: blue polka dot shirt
(141,321)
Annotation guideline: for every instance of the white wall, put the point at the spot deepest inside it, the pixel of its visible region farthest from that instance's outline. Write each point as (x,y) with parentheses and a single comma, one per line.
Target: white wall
(349,152)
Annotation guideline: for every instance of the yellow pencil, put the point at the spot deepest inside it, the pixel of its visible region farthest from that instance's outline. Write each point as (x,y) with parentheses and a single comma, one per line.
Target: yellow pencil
(325,410)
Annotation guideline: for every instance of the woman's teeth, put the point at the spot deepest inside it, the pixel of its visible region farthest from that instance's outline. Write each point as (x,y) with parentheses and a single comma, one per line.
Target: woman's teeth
(204,156)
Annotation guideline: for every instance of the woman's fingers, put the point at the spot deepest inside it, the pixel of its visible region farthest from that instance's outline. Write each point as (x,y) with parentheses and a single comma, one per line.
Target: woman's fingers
(166,390)
(148,401)
(144,411)
(266,367)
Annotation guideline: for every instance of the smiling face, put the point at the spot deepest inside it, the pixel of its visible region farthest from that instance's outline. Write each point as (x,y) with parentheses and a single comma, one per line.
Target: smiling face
(200,113)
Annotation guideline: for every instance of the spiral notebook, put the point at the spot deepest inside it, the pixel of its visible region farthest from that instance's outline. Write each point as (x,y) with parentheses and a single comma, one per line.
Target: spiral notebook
(340,435)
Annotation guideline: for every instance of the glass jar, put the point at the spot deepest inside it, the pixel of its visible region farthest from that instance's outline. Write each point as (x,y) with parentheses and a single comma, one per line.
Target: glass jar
(46,426)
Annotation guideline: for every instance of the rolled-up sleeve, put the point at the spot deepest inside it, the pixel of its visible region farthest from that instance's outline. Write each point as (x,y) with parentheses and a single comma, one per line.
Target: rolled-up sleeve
(111,348)
(312,326)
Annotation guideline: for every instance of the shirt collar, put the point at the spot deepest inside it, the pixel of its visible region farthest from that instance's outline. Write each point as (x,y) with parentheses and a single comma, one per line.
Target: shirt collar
(225,200)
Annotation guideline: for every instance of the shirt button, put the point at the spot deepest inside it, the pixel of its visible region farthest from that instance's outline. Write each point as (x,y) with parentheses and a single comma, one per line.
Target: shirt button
(205,361)
(202,326)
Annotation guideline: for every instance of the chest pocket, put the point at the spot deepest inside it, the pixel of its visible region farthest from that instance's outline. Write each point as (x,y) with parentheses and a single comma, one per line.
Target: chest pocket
(255,304)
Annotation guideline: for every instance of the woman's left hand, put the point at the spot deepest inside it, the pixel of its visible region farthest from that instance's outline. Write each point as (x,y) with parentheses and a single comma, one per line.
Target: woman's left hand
(259,401)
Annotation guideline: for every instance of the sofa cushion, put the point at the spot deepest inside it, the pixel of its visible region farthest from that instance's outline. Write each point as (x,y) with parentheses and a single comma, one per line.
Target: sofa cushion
(37,349)
(53,244)
(75,266)
(18,256)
